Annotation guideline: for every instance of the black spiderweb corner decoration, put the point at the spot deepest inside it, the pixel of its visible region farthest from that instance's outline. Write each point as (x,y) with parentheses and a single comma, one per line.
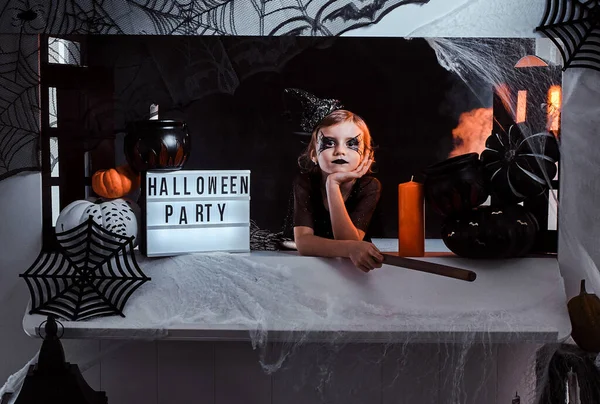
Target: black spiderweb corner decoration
(93,274)
(574,27)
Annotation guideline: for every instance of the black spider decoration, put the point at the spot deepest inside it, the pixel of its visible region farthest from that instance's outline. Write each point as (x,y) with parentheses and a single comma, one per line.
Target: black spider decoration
(24,18)
(27,14)
(574,27)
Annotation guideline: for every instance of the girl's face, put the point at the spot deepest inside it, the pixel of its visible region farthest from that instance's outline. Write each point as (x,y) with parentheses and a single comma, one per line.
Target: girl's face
(340,148)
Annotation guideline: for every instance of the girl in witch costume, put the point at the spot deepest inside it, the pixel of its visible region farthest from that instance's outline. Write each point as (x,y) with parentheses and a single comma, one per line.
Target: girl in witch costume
(334,197)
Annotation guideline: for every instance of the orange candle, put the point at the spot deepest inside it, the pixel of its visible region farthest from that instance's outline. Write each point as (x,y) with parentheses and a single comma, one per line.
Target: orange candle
(411,220)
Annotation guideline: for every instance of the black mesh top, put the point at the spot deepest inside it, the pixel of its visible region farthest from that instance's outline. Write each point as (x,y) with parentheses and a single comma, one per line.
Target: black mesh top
(310,211)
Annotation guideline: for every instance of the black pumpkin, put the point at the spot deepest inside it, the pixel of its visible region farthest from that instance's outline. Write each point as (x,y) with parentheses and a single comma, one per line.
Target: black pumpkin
(491,232)
(157,145)
(518,167)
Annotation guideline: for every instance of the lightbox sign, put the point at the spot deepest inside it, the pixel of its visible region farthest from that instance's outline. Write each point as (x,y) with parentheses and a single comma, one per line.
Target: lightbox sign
(191,211)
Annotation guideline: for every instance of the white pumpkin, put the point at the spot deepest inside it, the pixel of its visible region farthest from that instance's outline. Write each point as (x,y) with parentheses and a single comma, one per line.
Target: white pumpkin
(72,215)
(119,216)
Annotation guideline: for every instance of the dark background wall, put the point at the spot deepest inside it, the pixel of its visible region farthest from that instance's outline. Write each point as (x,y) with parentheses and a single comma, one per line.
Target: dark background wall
(230,92)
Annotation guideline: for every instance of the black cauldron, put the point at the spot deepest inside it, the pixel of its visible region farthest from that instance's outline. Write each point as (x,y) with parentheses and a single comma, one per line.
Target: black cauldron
(455,185)
(157,145)
(491,232)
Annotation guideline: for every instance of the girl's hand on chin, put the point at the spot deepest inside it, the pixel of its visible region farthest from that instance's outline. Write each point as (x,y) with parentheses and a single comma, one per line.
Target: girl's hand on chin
(340,178)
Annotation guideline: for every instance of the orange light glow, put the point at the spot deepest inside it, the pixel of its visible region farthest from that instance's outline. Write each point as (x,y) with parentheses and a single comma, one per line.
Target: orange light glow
(531,61)
(521,106)
(553,108)
(473,129)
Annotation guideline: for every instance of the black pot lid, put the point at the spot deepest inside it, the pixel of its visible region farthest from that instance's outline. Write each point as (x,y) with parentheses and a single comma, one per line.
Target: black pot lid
(451,164)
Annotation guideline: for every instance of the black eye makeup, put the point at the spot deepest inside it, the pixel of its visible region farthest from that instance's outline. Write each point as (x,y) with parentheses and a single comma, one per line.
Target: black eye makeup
(325,142)
(354,144)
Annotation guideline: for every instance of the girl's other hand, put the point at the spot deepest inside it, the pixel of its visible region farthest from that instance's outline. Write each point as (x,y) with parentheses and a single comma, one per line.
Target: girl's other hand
(358,172)
(365,256)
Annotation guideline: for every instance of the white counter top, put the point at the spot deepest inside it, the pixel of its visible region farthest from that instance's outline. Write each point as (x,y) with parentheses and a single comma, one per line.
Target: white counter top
(285,296)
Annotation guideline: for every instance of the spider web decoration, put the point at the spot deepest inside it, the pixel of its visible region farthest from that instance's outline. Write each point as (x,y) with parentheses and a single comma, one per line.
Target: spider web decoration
(574,27)
(263,17)
(177,17)
(62,17)
(215,65)
(19,109)
(93,274)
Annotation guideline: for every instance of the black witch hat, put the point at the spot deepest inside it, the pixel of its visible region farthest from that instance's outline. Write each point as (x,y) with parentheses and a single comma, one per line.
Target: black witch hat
(314,109)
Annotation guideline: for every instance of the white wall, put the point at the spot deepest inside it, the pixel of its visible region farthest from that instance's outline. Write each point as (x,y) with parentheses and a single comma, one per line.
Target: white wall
(579,212)
(20,243)
(460,18)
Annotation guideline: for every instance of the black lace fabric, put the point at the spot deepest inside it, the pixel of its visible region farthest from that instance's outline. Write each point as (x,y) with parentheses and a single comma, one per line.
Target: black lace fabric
(19,105)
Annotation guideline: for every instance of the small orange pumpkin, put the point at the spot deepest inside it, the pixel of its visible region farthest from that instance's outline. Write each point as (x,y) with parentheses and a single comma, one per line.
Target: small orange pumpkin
(115,182)
(584,312)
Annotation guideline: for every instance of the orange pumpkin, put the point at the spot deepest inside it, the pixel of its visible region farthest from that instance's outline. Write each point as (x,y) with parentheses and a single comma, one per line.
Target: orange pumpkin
(115,182)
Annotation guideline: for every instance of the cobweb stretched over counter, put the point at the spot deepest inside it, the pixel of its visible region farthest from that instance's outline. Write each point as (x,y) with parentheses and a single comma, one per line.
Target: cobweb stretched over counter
(257,296)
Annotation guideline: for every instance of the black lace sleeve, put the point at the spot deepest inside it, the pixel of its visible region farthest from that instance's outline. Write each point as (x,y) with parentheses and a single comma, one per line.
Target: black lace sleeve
(367,197)
(310,212)
(303,206)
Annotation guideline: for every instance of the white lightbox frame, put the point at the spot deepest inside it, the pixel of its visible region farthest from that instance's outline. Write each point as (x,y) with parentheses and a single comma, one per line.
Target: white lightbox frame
(195,211)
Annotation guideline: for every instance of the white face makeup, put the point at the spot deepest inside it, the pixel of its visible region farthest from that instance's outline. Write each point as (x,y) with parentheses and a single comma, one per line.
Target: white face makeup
(340,148)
